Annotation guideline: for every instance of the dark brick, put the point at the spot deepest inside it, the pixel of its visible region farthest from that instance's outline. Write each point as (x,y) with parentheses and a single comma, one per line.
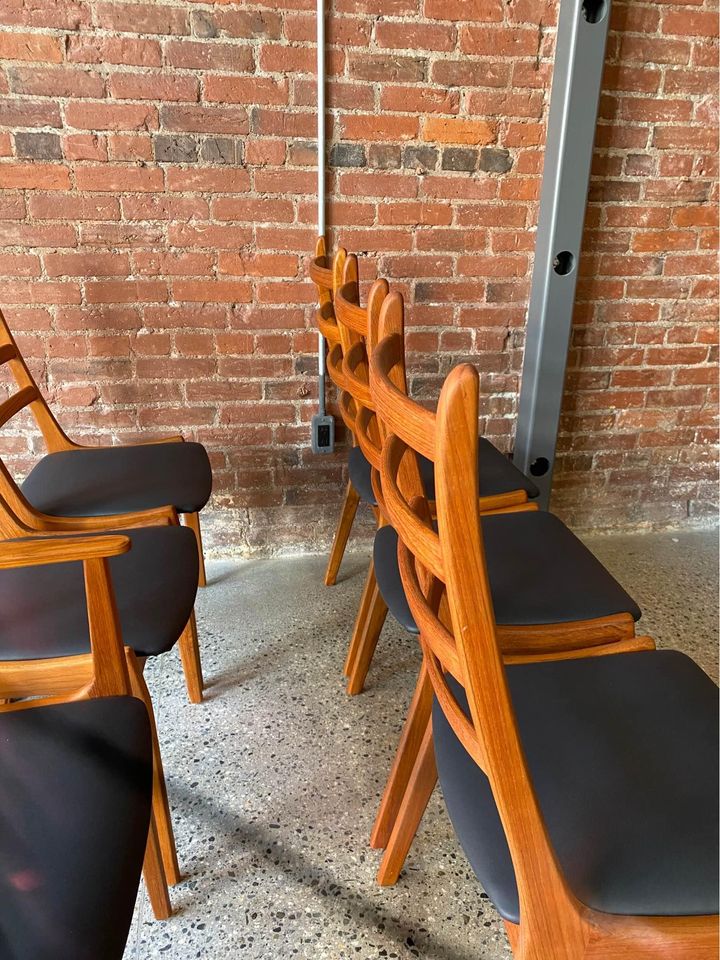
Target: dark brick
(38,146)
(221,150)
(495,160)
(175,149)
(347,155)
(459,158)
(420,158)
(384,156)
(204,25)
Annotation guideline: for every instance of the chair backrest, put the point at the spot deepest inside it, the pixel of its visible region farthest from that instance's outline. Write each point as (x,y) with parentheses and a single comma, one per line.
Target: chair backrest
(107,673)
(28,394)
(467,648)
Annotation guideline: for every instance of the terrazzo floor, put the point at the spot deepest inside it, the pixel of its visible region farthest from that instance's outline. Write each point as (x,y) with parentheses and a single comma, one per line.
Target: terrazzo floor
(275,779)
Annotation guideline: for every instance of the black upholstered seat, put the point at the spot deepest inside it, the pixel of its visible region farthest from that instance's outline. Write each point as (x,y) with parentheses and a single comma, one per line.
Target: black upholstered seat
(43,609)
(75,786)
(359,471)
(539,573)
(105,480)
(497,474)
(623,755)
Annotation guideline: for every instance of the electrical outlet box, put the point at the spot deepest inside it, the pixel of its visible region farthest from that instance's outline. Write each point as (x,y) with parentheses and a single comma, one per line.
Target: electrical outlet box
(323,434)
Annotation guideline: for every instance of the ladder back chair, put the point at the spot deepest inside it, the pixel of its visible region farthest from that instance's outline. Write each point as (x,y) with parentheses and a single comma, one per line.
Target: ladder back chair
(45,647)
(565,606)
(76,481)
(502,486)
(584,791)
(326,275)
(153,559)
(77,776)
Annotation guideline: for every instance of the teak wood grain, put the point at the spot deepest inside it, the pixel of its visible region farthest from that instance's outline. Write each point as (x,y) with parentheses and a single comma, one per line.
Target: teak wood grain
(554,924)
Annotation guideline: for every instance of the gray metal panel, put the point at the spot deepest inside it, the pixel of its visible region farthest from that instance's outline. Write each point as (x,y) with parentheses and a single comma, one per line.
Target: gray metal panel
(577,78)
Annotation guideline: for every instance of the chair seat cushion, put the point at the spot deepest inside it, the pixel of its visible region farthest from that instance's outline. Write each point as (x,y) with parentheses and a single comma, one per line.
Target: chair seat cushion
(623,755)
(98,481)
(497,474)
(75,786)
(43,608)
(359,471)
(540,572)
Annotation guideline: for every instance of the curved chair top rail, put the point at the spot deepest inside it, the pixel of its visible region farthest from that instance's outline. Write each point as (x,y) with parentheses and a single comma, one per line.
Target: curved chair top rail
(348,309)
(401,415)
(353,360)
(320,274)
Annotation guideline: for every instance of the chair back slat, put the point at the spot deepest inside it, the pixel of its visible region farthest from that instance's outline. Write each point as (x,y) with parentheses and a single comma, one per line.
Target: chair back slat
(348,309)
(17,402)
(8,351)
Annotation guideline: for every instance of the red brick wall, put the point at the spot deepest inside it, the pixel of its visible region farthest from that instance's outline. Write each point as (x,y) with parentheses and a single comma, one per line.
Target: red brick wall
(157,206)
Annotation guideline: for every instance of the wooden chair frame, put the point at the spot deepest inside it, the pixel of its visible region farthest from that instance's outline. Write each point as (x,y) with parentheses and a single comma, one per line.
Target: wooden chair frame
(18,517)
(325,279)
(554,924)
(56,441)
(108,670)
(413,775)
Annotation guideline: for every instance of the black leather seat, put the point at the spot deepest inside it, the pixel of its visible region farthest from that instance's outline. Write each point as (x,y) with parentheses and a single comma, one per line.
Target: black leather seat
(497,474)
(43,608)
(539,573)
(75,787)
(100,481)
(623,755)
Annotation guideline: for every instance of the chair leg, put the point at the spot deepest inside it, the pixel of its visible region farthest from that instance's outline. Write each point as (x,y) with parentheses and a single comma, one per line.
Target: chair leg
(347,516)
(192,520)
(154,874)
(376,614)
(411,740)
(420,787)
(191,663)
(360,619)
(160,805)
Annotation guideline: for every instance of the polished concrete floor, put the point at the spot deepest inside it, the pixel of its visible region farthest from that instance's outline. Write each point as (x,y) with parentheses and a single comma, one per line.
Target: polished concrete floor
(275,779)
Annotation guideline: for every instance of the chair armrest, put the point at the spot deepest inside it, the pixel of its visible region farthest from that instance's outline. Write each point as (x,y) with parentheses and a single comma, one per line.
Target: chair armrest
(34,551)
(155,517)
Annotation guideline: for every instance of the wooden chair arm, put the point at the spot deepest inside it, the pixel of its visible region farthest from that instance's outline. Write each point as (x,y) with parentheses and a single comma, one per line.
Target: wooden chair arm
(72,445)
(34,551)
(155,517)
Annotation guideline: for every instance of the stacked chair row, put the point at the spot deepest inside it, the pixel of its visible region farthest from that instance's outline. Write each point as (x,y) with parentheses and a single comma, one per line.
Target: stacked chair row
(96,575)
(579,765)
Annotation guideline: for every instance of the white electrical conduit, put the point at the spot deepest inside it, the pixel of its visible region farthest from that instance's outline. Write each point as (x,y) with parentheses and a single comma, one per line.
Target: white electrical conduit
(321,176)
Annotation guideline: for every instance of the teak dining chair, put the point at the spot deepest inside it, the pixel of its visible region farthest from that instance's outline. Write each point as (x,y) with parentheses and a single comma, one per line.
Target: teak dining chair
(583,791)
(152,560)
(77,777)
(76,785)
(502,486)
(553,599)
(78,481)
(44,643)
(326,274)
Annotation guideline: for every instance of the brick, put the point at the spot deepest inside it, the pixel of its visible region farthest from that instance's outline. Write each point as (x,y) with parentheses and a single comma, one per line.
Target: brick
(39,47)
(448,130)
(264,90)
(195,55)
(213,291)
(34,176)
(175,149)
(141,18)
(204,119)
(421,158)
(384,156)
(111,116)
(202,180)
(459,158)
(465,10)
(125,291)
(147,86)
(376,127)
(56,82)
(86,48)
(38,146)
(85,146)
(495,160)
(414,36)
(86,264)
(119,179)
(347,155)
(386,68)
